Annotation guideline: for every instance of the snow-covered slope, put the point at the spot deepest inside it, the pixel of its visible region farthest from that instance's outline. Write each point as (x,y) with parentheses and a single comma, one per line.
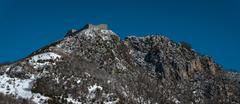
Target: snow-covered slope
(20,88)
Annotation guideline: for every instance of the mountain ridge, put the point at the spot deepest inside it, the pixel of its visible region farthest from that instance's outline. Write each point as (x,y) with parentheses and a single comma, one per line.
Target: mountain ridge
(93,65)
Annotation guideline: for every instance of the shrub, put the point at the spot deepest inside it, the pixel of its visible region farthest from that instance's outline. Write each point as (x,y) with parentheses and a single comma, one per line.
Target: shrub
(186,45)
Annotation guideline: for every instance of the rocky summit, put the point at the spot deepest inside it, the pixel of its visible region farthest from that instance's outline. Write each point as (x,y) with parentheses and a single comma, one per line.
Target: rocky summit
(93,65)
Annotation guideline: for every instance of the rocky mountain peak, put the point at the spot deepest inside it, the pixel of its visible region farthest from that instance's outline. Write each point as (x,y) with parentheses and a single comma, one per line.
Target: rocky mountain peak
(92,65)
(92,32)
(73,32)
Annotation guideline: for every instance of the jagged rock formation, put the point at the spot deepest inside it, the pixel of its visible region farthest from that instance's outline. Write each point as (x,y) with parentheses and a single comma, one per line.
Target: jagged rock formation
(92,65)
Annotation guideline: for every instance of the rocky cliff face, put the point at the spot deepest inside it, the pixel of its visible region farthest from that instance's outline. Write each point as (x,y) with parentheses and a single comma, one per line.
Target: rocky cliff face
(92,65)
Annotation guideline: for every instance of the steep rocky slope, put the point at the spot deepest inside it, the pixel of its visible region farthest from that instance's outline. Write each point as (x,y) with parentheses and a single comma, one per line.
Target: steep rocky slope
(92,65)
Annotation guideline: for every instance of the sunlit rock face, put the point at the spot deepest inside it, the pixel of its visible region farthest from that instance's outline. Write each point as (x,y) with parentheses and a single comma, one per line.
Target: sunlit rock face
(92,65)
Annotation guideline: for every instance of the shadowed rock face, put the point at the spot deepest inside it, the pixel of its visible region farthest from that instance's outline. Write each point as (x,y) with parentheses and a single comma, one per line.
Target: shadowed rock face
(92,65)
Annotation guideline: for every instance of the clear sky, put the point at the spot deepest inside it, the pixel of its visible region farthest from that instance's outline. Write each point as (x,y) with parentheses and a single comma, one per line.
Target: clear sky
(211,26)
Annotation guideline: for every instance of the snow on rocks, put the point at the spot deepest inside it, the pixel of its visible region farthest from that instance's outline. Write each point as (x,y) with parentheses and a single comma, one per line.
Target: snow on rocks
(176,101)
(90,33)
(92,90)
(78,81)
(111,102)
(7,69)
(73,101)
(45,56)
(43,59)
(106,34)
(20,88)
(106,37)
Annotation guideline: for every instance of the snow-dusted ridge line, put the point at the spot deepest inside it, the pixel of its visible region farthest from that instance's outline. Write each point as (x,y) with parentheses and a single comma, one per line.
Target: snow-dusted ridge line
(45,58)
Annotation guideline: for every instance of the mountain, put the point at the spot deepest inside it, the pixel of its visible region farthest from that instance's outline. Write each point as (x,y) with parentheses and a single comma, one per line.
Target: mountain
(93,65)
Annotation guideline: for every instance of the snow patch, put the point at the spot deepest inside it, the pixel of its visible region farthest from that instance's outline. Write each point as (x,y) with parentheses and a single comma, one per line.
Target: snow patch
(111,102)
(65,46)
(106,37)
(131,51)
(107,32)
(78,81)
(176,101)
(21,88)
(45,56)
(92,90)
(7,69)
(43,59)
(87,74)
(89,33)
(73,101)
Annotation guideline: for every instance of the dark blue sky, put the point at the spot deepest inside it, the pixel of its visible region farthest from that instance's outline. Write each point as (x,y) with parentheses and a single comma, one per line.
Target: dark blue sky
(211,26)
